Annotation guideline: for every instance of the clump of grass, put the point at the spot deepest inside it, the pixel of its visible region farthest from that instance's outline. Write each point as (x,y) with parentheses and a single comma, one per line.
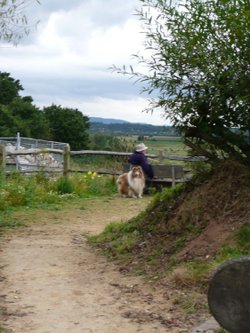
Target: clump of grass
(190,303)
(9,222)
(64,185)
(192,274)
(181,277)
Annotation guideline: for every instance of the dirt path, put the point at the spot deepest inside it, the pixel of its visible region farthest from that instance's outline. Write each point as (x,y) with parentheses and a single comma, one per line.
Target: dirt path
(52,281)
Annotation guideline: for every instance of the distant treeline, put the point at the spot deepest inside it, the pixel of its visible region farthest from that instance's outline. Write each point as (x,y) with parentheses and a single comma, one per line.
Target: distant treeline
(132,129)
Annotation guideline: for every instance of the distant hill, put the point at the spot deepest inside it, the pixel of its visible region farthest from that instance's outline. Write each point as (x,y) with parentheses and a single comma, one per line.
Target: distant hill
(127,128)
(107,120)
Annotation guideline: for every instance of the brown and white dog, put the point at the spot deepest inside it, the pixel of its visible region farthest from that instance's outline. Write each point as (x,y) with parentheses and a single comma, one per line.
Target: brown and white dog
(132,183)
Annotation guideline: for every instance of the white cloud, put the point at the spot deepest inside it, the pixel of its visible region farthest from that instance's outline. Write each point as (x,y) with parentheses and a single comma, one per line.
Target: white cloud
(130,109)
(65,60)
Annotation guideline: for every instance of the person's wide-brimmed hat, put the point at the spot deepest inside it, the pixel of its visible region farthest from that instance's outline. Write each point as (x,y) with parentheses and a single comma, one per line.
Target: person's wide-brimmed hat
(140,147)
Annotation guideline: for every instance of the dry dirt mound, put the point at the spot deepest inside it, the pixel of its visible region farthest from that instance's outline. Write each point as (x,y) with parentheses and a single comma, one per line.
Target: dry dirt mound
(218,208)
(195,223)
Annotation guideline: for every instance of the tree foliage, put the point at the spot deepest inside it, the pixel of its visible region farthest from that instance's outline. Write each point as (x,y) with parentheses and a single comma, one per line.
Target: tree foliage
(19,114)
(23,117)
(9,88)
(197,64)
(67,125)
(8,124)
(30,120)
(13,21)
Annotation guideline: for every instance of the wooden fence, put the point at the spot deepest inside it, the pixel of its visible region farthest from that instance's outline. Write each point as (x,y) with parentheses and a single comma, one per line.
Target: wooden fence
(66,153)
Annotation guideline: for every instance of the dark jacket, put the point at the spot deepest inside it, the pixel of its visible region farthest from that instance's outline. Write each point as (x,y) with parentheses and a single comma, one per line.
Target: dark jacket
(139,158)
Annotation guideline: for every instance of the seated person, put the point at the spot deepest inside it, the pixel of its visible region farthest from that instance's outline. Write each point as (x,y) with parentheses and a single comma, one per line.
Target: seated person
(139,158)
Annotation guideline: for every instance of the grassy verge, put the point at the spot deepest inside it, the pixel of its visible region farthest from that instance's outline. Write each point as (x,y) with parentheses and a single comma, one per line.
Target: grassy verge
(19,192)
(122,240)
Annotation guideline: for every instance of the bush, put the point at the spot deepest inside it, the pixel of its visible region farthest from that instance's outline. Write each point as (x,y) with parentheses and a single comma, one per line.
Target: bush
(64,185)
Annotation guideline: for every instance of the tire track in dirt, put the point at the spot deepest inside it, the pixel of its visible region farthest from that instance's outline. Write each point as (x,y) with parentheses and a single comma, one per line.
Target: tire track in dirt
(54,282)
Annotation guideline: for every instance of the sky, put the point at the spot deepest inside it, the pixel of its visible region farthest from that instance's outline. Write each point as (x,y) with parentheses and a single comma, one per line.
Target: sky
(66,59)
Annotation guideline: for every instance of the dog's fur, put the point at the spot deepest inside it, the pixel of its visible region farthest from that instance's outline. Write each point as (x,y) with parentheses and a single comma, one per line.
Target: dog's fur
(132,183)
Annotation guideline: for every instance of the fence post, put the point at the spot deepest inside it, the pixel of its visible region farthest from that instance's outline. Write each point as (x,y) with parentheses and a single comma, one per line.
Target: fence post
(3,161)
(161,156)
(18,141)
(173,175)
(66,160)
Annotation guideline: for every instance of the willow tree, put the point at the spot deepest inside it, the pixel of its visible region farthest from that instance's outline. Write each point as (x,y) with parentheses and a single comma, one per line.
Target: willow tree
(197,71)
(13,20)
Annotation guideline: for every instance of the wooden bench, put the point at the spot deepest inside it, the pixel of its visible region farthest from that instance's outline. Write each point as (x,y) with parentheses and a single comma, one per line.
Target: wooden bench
(166,175)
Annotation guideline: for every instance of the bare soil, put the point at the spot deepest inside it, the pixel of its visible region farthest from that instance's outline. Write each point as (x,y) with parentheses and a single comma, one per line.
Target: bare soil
(52,281)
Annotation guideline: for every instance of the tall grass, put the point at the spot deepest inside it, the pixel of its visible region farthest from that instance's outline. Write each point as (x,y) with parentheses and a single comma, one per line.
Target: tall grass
(21,191)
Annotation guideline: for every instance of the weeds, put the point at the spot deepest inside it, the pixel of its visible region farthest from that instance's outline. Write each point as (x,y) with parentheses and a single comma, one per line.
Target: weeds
(190,304)
(32,191)
(18,191)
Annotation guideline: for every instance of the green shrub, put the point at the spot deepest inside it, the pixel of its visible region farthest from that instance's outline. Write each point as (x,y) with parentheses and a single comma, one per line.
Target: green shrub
(64,185)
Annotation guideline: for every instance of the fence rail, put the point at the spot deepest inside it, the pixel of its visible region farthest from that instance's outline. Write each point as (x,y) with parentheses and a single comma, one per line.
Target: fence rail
(30,143)
(66,155)
(126,154)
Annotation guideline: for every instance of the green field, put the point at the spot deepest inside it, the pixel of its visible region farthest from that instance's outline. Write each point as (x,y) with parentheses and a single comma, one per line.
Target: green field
(169,145)
(161,145)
